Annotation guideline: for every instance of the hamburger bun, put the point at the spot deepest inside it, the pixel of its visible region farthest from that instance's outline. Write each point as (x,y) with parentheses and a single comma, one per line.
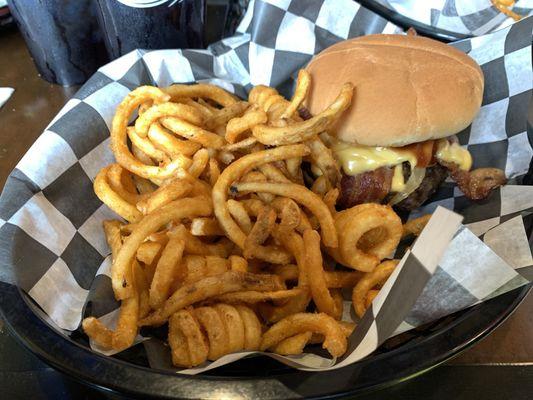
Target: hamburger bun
(408,89)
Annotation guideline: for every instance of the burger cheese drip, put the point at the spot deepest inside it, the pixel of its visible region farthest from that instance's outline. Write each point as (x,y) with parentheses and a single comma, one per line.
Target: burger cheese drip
(376,173)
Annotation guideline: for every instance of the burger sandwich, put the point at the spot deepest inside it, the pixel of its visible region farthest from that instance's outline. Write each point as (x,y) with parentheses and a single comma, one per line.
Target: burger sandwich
(396,143)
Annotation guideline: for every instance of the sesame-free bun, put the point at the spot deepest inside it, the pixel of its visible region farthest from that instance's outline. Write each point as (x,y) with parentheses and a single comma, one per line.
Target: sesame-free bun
(408,89)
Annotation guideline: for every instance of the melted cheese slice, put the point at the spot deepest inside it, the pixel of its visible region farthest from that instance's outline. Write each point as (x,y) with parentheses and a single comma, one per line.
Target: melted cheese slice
(453,153)
(355,159)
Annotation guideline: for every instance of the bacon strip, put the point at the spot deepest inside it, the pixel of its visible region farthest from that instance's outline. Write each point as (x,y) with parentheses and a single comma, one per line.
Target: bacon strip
(476,184)
(368,187)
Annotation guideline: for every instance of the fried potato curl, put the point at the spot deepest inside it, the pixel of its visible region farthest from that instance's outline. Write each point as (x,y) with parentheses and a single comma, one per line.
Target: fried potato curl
(225,235)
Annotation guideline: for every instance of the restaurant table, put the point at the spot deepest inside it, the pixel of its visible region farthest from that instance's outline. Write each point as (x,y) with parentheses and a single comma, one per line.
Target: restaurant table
(499,366)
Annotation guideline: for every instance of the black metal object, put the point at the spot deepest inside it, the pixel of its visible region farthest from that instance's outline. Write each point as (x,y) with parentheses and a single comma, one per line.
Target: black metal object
(399,358)
(406,23)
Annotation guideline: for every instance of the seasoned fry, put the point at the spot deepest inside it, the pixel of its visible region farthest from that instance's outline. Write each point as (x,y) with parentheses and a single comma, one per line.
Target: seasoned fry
(335,340)
(111,198)
(238,126)
(355,222)
(315,274)
(300,93)
(230,281)
(165,270)
(378,276)
(192,132)
(215,328)
(205,227)
(293,345)
(113,236)
(201,90)
(305,130)
(301,195)
(238,264)
(415,226)
(175,210)
(173,190)
(98,333)
(154,113)
(238,212)
(223,116)
(148,252)
(252,297)
(171,145)
(235,171)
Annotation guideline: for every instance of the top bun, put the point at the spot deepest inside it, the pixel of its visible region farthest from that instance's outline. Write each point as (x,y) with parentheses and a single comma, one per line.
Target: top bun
(408,89)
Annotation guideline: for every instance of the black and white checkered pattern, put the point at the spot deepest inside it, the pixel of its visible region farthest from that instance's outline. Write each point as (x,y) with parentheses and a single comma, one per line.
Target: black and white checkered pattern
(465,17)
(50,219)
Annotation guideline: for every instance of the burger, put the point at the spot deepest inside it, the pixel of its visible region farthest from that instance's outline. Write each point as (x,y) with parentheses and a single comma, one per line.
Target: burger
(396,143)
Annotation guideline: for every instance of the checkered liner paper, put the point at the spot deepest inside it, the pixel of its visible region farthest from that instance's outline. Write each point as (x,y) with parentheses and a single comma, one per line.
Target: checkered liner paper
(52,242)
(466,17)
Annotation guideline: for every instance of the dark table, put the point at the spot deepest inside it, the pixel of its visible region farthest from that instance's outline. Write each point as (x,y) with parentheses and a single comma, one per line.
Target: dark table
(500,366)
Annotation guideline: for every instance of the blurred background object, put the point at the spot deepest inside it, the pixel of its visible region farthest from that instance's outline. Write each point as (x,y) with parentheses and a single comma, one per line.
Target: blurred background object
(151,24)
(6,20)
(62,38)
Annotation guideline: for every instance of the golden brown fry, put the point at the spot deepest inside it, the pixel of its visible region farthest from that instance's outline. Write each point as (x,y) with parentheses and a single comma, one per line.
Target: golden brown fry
(378,276)
(214,327)
(144,144)
(273,174)
(214,171)
(240,146)
(330,198)
(201,90)
(322,157)
(234,326)
(293,345)
(178,344)
(165,270)
(173,211)
(199,163)
(355,222)
(193,132)
(148,252)
(111,199)
(196,343)
(238,264)
(126,329)
(335,340)
(300,93)
(193,245)
(238,126)
(415,226)
(233,172)
(315,274)
(215,265)
(154,113)
(252,328)
(305,130)
(173,190)
(225,114)
(371,295)
(212,286)
(121,182)
(252,297)
(205,227)
(253,245)
(164,140)
(301,195)
(98,333)
(238,212)
(113,236)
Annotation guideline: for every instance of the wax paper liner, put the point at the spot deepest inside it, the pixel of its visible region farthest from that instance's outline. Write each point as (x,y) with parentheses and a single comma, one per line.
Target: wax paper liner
(53,245)
(464,17)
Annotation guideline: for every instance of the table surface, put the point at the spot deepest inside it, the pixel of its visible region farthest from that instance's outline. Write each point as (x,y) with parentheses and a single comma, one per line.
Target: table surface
(504,354)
